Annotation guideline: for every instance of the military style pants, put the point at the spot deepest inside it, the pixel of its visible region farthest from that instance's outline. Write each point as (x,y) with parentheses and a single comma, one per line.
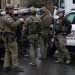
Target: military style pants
(60,42)
(33,45)
(11,53)
(43,44)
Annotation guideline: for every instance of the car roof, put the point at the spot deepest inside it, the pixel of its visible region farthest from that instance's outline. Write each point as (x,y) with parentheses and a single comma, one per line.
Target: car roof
(72,11)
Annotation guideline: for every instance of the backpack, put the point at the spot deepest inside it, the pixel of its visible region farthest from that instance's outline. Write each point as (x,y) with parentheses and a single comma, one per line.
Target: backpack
(68,25)
(35,26)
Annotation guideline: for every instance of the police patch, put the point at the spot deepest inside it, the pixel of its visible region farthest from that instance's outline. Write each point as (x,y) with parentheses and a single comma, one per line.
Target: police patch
(10,19)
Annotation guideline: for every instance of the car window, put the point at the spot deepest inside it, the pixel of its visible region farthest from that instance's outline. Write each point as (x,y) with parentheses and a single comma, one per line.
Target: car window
(71,17)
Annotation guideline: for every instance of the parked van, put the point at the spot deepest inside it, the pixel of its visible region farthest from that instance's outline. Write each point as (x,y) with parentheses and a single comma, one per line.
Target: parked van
(67,5)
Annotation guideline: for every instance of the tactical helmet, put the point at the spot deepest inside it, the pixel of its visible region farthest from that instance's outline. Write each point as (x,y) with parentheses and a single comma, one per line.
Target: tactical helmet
(44,9)
(32,9)
(9,6)
(60,11)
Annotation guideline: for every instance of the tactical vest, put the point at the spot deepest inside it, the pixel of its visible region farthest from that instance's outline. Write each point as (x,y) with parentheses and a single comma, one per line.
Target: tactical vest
(60,27)
(34,27)
(47,20)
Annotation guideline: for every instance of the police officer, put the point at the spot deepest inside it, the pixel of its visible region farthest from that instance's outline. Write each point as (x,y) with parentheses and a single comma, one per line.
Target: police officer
(32,28)
(47,20)
(60,39)
(11,49)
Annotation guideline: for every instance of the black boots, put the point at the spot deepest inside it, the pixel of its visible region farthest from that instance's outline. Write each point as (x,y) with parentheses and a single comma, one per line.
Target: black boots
(14,69)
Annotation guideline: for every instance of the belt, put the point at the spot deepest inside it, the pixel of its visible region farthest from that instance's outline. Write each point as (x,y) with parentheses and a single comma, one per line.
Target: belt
(9,33)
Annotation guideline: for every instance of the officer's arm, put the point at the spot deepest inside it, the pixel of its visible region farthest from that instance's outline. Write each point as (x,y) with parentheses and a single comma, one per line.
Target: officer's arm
(66,21)
(9,21)
(24,29)
(41,26)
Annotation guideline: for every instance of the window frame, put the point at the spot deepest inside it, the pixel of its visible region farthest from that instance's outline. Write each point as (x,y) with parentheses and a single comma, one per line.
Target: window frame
(70,15)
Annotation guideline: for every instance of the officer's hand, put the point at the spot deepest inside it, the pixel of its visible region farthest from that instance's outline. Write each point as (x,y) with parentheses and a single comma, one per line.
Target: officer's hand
(21,20)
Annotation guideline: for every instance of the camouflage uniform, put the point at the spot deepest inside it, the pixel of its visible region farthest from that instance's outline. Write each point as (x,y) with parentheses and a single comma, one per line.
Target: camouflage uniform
(32,29)
(60,40)
(47,20)
(8,26)
(11,51)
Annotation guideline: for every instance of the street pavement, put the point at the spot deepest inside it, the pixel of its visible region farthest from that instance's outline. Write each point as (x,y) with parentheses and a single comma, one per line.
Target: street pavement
(46,67)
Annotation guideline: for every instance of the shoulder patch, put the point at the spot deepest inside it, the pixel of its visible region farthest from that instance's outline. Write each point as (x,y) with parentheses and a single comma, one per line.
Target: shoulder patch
(10,19)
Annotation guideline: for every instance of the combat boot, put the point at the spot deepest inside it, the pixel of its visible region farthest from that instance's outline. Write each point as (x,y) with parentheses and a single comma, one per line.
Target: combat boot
(6,69)
(68,61)
(32,64)
(60,61)
(18,69)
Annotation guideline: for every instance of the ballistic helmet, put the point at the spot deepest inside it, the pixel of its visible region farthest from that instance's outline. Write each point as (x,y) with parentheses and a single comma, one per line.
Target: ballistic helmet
(32,9)
(44,9)
(9,6)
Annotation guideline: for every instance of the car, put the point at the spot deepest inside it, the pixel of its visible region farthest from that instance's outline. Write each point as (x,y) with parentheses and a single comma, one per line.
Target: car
(70,43)
(71,37)
(2,12)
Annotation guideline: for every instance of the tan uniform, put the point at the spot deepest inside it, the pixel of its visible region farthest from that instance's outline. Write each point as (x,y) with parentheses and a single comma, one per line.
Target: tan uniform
(32,28)
(60,40)
(47,20)
(11,50)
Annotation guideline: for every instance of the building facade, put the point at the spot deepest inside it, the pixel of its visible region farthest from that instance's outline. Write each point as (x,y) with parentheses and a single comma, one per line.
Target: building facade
(3,3)
(48,3)
(25,3)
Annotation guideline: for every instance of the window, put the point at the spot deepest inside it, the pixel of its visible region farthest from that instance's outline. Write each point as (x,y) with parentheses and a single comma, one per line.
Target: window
(62,4)
(71,17)
(74,1)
